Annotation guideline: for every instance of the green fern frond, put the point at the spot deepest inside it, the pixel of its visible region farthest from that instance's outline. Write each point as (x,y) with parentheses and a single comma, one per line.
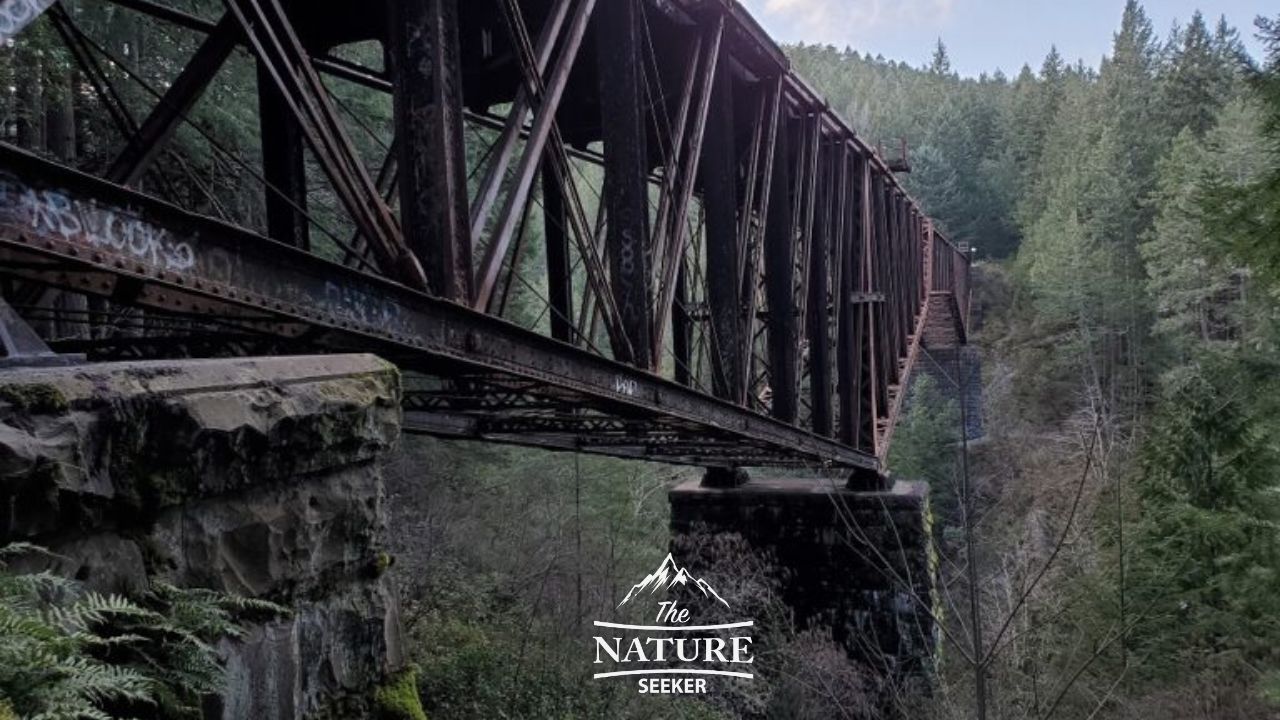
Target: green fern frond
(65,654)
(19,549)
(45,584)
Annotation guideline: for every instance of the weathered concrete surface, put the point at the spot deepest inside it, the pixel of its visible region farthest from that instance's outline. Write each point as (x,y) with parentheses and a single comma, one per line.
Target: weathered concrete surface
(256,477)
(859,563)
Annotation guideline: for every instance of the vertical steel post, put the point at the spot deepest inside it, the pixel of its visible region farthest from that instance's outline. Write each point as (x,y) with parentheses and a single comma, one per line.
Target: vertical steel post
(818,324)
(885,362)
(626,169)
(559,268)
(867,330)
(681,329)
(283,165)
(848,357)
(426,71)
(719,179)
(780,280)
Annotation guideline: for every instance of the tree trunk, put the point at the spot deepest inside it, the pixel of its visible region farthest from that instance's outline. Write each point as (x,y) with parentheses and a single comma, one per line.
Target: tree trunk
(30,97)
(60,118)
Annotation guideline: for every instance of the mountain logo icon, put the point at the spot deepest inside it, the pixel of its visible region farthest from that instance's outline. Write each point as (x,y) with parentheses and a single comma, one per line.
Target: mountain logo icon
(667,576)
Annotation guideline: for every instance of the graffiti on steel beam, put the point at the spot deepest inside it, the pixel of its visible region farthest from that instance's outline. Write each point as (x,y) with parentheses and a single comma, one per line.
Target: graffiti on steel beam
(625,386)
(119,232)
(85,223)
(367,309)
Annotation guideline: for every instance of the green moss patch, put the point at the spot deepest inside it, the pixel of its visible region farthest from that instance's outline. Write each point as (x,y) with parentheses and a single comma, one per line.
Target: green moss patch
(398,699)
(43,399)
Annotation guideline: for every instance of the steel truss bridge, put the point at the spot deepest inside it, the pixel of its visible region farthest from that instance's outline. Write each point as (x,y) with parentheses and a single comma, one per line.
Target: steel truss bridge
(729,276)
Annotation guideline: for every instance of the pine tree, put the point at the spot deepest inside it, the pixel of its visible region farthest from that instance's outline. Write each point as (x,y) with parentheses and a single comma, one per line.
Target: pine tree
(1186,279)
(1207,545)
(1199,78)
(940,64)
(1250,216)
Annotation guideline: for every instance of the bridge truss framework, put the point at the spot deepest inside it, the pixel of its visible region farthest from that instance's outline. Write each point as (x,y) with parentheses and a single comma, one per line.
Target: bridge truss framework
(747,286)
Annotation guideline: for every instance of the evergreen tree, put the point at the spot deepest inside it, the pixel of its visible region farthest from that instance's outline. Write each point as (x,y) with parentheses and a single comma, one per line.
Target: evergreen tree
(1251,215)
(940,64)
(1185,277)
(1207,546)
(1199,78)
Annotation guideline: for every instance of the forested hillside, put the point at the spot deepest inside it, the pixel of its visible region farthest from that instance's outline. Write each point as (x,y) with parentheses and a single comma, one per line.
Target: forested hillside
(1126,217)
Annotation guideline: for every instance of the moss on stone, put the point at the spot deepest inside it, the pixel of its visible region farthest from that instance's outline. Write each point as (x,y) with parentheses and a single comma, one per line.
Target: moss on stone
(36,398)
(381,563)
(397,699)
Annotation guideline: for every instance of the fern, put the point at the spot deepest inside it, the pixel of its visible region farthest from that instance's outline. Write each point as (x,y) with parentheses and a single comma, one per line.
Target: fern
(68,654)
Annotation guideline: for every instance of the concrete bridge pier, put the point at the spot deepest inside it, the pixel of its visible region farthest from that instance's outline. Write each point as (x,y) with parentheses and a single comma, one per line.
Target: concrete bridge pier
(254,477)
(860,564)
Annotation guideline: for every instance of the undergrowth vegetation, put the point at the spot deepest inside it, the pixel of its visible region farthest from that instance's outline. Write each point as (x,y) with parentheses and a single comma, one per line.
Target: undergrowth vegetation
(71,654)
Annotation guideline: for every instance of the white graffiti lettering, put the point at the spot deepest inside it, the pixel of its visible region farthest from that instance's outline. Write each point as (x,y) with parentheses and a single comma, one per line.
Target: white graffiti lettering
(625,386)
(53,213)
(354,304)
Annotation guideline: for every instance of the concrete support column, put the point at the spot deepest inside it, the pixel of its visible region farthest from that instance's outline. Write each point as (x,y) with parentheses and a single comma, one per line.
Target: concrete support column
(255,477)
(859,563)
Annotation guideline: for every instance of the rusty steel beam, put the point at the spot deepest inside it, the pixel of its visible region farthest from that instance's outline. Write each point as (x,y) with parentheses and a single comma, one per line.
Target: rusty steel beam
(187,89)
(283,166)
(807,202)
(908,360)
(818,281)
(682,330)
(500,162)
(849,358)
(95,237)
(559,264)
(870,326)
(719,182)
(626,168)
(277,46)
(779,258)
(753,229)
(675,237)
(669,185)
(543,125)
(427,74)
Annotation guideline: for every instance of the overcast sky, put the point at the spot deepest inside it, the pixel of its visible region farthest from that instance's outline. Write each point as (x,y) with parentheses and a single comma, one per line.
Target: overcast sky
(982,35)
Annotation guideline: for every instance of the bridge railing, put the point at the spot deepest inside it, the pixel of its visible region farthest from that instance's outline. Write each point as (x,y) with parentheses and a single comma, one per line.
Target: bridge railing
(951,271)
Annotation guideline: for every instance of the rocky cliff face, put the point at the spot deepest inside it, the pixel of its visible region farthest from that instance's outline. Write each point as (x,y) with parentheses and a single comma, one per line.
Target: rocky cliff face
(255,477)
